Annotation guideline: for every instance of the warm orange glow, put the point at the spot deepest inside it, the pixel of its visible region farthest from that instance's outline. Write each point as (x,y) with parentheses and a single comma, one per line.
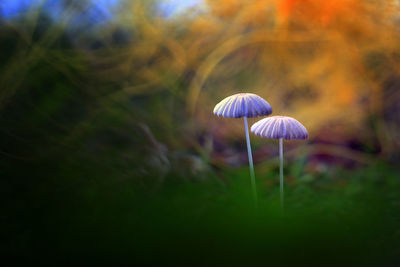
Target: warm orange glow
(317,11)
(311,59)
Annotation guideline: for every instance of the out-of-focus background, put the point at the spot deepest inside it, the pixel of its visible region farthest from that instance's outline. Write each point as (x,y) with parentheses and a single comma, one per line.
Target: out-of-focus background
(110,152)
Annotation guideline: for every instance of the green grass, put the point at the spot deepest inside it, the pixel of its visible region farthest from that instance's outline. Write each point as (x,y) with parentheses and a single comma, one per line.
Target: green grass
(349,217)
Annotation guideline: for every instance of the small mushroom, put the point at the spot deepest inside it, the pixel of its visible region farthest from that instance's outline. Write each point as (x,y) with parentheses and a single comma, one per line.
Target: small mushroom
(280,127)
(244,105)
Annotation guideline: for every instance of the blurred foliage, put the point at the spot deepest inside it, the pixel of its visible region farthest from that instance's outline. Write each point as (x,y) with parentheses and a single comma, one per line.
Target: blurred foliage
(332,65)
(108,142)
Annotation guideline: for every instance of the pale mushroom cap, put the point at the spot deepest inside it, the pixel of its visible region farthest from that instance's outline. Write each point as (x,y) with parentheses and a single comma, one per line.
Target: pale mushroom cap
(277,127)
(241,105)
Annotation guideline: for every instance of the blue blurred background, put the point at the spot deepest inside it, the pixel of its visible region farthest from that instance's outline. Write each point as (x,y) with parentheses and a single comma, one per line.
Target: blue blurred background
(101,10)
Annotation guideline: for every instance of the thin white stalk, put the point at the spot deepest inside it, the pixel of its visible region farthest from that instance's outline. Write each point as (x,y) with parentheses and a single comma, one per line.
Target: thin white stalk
(252,176)
(281,171)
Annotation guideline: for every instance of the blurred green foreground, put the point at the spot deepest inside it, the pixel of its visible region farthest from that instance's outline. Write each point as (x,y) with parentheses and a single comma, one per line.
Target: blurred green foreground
(91,217)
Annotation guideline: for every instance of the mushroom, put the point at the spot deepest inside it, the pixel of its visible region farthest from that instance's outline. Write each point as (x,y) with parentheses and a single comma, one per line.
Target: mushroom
(280,127)
(244,105)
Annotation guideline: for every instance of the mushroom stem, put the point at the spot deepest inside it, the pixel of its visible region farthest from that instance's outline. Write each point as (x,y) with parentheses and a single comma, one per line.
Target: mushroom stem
(252,176)
(281,171)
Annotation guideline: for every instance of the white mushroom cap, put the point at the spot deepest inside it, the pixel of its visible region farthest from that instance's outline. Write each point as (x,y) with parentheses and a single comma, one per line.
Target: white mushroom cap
(242,105)
(277,127)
